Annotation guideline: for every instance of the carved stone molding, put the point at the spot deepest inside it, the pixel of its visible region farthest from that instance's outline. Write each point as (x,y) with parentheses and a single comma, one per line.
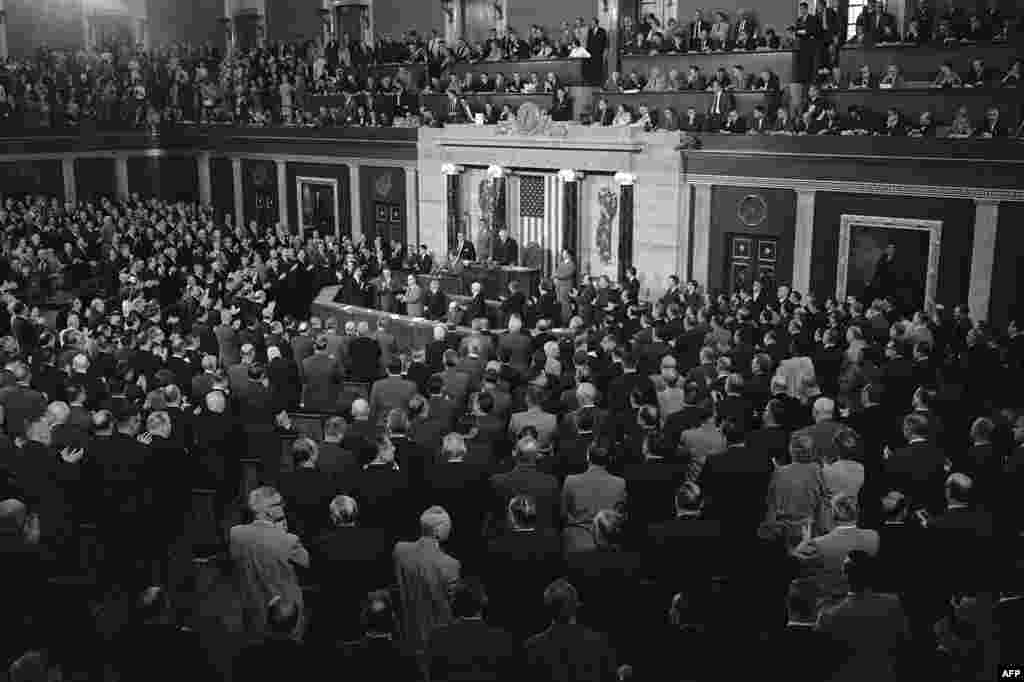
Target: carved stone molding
(853,187)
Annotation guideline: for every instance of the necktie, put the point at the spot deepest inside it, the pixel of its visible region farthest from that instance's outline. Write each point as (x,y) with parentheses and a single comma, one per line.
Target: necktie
(718,103)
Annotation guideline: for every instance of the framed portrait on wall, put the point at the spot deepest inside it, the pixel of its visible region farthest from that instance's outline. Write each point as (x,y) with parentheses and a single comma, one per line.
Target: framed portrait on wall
(382,213)
(396,214)
(882,257)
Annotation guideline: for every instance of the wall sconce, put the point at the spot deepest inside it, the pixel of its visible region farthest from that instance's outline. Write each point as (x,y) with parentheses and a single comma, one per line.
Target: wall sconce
(499,10)
(448,9)
(604,6)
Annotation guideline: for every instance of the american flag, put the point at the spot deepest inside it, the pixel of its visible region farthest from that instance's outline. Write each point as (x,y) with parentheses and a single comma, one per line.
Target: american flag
(540,216)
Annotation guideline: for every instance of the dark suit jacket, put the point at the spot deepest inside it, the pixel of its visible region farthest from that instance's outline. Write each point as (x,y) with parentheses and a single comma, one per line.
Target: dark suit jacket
(307,493)
(963,540)
(527,480)
(918,472)
(364,359)
(473,651)
(535,558)
(506,252)
(285,383)
(569,653)
(321,382)
(383,495)
(872,630)
(348,563)
(735,485)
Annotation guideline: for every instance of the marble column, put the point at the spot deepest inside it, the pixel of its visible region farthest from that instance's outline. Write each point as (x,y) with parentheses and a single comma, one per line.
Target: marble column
(67,167)
(121,175)
(3,29)
(355,202)
(203,175)
(570,213)
(803,241)
(452,207)
(701,234)
(282,195)
(983,256)
(412,204)
(626,213)
(685,213)
(238,188)
(86,27)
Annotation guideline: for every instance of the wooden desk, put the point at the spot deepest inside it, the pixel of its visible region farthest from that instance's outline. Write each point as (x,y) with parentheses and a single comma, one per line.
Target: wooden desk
(380,102)
(942,103)
(700,100)
(409,332)
(781,62)
(569,71)
(921,63)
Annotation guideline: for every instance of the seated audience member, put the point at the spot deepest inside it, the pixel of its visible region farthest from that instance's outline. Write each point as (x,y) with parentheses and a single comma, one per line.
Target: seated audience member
(634,82)
(892,78)
(656,82)
(721,32)
(783,124)
(733,123)
(1013,75)
(646,119)
(545,50)
(857,121)
(979,75)
(694,79)
(692,122)
(739,79)
(673,82)
(561,105)
(759,123)
(721,104)
(894,126)
(551,83)
(992,127)
(655,44)
(704,41)
(638,45)
(614,83)
(864,80)
(678,44)
(770,40)
(744,34)
(925,126)
(669,120)
(720,76)
(961,128)
(379,648)
(788,40)
(604,115)
(829,78)
(947,77)
(623,117)
(767,81)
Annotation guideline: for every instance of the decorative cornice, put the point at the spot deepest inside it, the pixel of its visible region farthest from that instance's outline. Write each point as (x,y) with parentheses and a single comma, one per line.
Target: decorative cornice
(622,178)
(450,169)
(495,172)
(856,187)
(569,175)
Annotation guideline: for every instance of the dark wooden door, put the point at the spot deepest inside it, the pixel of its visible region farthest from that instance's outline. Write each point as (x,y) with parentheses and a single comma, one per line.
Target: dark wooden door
(750,258)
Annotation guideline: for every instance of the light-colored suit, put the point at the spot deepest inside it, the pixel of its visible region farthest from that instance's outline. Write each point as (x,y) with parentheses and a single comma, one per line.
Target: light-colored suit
(425,577)
(824,555)
(545,423)
(414,301)
(389,393)
(265,557)
(583,496)
(844,476)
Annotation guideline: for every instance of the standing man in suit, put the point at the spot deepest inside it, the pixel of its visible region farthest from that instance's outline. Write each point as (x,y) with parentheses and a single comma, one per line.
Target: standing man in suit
(364,355)
(386,290)
(832,32)
(413,298)
(391,392)
(526,479)
(597,44)
(469,648)
(722,103)
(917,470)
(586,494)
(464,250)
(266,555)
(544,422)
(697,28)
(506,251)
(565,280)
(423,262)
(426,575)
(322,379)
(567,650)
(808,41)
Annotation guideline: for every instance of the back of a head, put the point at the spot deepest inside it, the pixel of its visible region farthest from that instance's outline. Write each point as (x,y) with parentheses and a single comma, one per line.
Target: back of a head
(282,616)
(845,509)
(434,521)
(397,422)
(378,614)
(802,600)
(527,450)
(561,601)
(958,488)
(848,445)
(824,409)
(334,428)
(344,510)
(688,497)
(304,451)
(523,511)
(916,426)
(894,506)
(608,528)
(598,455)
(801,448)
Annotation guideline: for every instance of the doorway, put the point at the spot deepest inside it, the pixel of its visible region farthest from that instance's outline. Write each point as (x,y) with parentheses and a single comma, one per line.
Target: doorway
(318,206)
(751,258)
(352,20)
(479,20)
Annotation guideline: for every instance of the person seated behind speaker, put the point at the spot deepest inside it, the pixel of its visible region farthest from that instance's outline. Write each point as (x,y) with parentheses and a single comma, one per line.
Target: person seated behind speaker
(692,122)
(733,123)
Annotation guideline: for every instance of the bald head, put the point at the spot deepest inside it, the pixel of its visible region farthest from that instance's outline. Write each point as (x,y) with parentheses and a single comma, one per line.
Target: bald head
(360,409)
(216,402)
(435,523)
(57,412)
(824,409)
(344,510)
(12,514)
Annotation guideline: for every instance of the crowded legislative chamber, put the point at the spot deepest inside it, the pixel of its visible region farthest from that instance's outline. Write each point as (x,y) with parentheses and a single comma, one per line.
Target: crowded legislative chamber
(501,340)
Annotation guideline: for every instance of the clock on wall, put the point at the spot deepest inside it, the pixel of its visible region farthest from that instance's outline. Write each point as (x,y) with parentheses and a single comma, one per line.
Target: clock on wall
(752,210)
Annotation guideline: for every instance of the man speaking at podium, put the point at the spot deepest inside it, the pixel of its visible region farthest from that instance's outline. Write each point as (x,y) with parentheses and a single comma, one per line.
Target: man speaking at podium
(506,251)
